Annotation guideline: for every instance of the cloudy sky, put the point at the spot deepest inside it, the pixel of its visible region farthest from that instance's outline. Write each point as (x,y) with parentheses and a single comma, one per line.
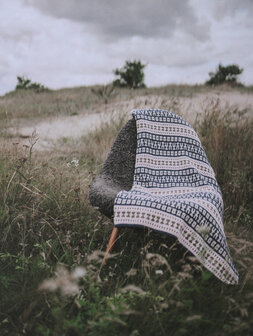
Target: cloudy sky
(64,43)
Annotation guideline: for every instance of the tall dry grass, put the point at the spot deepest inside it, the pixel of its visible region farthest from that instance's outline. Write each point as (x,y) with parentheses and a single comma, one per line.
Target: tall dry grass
(52,243)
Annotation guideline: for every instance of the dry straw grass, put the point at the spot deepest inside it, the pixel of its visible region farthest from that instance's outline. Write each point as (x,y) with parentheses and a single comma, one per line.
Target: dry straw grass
(52,239)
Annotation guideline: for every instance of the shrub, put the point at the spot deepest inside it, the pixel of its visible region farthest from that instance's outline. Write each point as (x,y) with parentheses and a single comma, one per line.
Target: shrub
(131,75)
(27,84)
(225,75)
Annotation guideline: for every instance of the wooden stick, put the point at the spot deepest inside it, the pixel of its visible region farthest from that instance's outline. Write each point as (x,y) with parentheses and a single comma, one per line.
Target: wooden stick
(110,244)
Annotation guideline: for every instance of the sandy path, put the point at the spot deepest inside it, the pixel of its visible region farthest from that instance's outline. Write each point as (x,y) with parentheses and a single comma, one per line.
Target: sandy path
(51,130)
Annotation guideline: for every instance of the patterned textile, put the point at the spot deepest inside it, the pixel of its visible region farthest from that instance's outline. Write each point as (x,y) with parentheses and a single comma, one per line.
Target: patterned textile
(175,191)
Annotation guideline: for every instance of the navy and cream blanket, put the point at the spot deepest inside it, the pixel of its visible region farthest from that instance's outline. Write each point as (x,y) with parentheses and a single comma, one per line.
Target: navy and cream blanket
(175,191)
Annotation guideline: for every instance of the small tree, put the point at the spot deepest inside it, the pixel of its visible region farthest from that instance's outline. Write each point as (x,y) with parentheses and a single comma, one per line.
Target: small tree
(27,84)
(131,75)
(225,74)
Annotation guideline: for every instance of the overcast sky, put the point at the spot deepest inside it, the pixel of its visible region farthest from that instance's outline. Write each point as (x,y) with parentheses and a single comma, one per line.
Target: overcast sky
(65,43)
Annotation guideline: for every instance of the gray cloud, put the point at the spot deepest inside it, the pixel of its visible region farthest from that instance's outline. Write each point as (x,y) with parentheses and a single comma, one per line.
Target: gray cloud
(114,19)
(59,43)
(232,7)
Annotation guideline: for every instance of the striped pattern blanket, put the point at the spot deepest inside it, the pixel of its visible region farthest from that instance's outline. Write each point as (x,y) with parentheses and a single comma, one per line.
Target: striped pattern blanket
(175,191)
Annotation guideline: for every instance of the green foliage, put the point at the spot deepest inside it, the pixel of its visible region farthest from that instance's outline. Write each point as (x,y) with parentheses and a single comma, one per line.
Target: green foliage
(225,75)
(27,84)
(131,75)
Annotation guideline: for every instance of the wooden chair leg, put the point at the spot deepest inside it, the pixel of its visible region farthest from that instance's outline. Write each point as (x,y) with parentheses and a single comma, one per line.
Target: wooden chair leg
(110,244)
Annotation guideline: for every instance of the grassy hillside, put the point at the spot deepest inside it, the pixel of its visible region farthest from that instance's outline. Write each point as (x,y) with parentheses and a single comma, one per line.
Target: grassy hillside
(29,104)
(52,240)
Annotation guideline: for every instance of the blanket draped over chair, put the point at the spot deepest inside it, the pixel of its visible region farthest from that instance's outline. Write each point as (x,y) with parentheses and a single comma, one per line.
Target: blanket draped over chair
(175,191)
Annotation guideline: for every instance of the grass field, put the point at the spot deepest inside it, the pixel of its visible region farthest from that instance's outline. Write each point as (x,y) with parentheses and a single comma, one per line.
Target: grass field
(52,240)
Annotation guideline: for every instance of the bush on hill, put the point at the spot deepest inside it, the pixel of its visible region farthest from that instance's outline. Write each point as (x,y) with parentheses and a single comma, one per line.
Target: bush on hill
(131,75)
(225,75)
(26,84)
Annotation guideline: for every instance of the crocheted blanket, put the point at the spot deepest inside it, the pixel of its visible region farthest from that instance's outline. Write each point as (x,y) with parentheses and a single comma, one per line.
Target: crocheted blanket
(175,191)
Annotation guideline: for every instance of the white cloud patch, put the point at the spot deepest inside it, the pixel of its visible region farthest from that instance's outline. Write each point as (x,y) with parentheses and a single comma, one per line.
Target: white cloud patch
(55,52)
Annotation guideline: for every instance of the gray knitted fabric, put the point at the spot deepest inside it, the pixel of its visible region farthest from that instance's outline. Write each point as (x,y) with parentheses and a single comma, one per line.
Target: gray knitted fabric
(117,172)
